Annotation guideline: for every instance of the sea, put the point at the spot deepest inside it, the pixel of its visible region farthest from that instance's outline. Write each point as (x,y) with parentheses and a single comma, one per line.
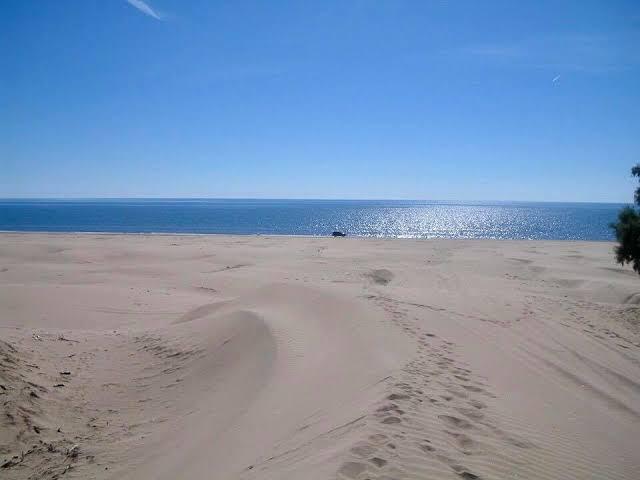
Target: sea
(363,218)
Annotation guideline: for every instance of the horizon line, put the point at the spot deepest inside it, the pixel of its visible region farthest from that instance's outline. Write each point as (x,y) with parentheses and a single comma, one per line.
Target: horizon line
(335,199)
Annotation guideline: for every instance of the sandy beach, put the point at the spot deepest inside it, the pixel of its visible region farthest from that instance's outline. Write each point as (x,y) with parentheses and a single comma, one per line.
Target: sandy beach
(222,357)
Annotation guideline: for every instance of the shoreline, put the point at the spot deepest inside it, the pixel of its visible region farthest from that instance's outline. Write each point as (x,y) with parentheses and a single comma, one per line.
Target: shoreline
(275,235)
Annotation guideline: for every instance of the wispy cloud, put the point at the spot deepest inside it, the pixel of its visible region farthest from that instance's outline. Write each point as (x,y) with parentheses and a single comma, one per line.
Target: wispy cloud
(556,78)
(492,51)
(565,52)
(145,8)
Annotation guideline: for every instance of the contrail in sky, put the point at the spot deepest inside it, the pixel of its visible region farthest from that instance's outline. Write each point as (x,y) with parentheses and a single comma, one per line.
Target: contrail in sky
(144,8)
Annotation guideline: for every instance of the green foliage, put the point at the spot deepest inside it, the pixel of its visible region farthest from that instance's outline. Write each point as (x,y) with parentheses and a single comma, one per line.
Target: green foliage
(627,231)
(635,171)
(628,235)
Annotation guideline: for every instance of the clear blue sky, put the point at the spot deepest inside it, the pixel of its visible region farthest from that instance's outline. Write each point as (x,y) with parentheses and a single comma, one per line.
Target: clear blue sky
(503,100)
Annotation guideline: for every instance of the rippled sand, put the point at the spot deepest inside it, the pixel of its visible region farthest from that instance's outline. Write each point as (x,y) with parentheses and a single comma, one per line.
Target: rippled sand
(163,357)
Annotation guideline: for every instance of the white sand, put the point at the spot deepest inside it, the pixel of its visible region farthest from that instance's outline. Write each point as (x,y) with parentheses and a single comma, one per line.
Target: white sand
(309,358)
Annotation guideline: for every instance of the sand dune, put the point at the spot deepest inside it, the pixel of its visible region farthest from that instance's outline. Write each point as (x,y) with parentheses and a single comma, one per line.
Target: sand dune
(284,358)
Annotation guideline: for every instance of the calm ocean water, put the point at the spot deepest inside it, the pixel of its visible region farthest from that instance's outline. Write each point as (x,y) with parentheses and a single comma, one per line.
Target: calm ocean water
(417,219)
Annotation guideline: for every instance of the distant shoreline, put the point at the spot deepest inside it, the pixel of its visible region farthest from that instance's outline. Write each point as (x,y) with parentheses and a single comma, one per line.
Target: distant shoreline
(274,235)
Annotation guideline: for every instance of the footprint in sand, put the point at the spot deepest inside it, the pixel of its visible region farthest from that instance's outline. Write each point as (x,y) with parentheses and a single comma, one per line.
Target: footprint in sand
(455,421)
(457,393)
(471,388)
(464,441)
(378,462)
(391,420)
(380,276)
(378,438)
(468,476)
(425,447)
(363,450)
(459,469)
(472,413)
(399,396)
(389,408)
(352,469)
(518,442)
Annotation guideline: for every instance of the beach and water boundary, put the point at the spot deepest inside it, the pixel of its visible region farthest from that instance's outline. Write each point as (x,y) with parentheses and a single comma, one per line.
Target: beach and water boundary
(365,218)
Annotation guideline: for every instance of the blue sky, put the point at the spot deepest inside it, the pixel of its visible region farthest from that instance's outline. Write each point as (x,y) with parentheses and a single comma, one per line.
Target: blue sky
(484,100)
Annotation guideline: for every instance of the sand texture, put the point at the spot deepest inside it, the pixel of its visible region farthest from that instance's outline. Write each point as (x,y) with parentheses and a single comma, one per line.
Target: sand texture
(222,357)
